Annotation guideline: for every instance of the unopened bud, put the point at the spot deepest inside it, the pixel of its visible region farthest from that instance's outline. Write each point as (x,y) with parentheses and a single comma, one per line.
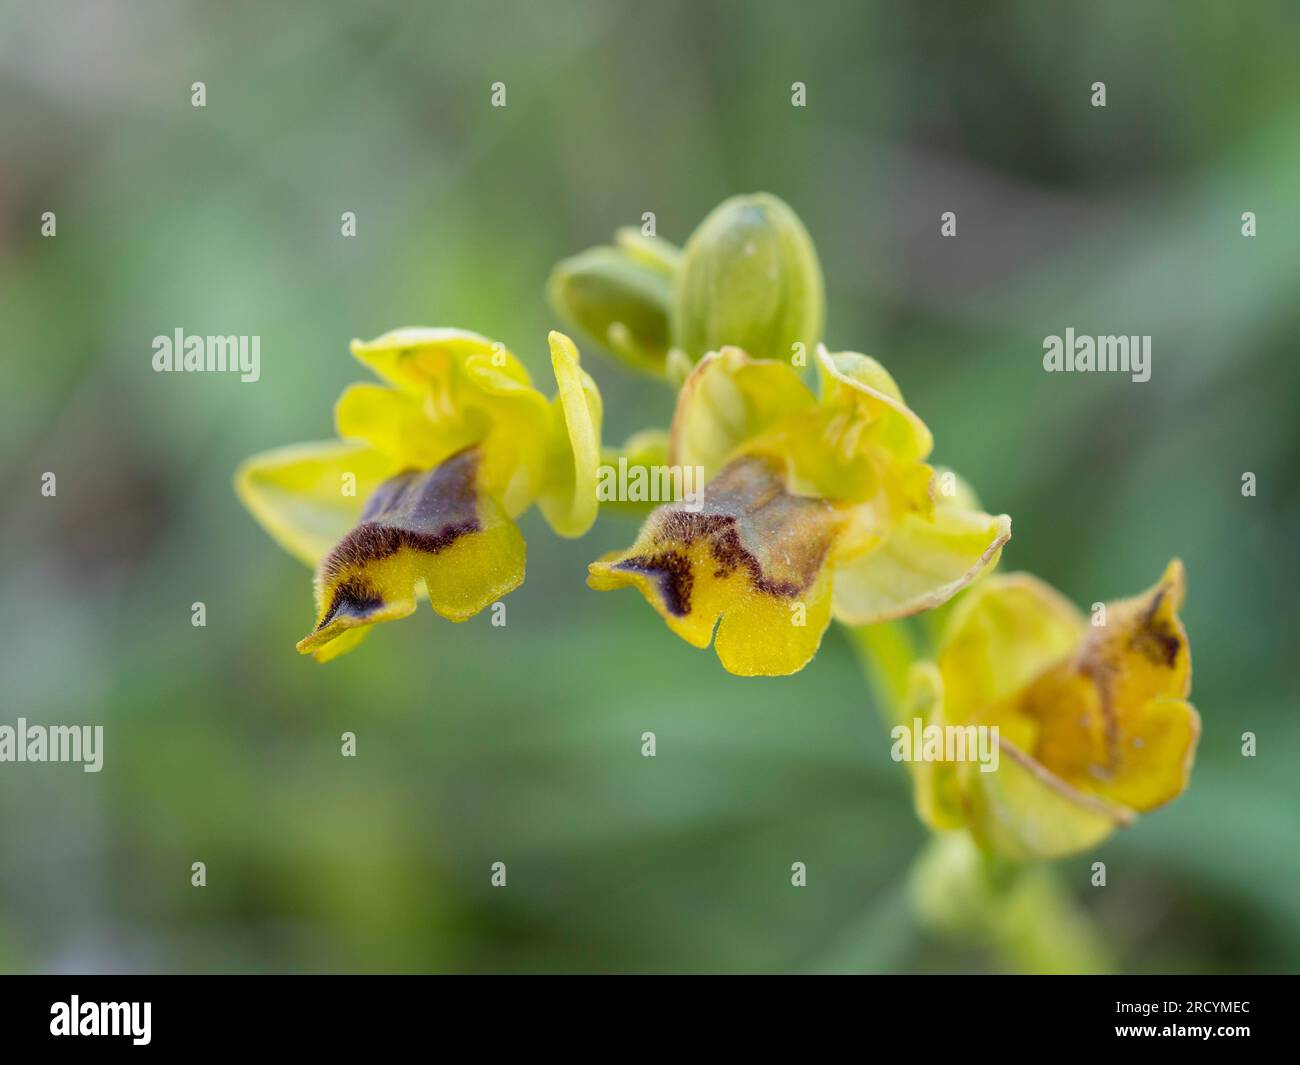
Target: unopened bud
(749,278)
(619,297)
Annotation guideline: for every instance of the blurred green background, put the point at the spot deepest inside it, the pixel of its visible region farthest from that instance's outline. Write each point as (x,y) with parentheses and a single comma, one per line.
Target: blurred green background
(522,744)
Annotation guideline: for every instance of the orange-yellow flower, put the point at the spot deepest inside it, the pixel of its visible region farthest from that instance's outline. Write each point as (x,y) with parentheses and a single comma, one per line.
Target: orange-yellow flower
(1094,722)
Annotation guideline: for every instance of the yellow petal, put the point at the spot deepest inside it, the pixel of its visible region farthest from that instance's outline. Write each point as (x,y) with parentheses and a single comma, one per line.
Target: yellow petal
(853,379)
(307,496)
(1024,811)
(727,400)
(860,442)
(433,531)
(404,426)
(416,359)
(923,562)
(1002,634)
(1111,719)
(471,390)
(752,556)
(568,501)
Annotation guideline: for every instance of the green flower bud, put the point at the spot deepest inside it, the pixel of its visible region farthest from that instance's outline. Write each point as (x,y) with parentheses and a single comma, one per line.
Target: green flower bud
(654,252)
(619,297)
(749,278)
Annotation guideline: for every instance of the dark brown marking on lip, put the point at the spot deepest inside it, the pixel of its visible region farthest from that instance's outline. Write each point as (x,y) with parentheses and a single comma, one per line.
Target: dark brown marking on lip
(1158,640)
(425,510)
(748,489)
(353,598)
(672,572)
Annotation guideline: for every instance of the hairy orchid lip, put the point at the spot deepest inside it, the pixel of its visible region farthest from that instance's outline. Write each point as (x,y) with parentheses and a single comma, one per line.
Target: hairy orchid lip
(425,513)
(672,569)
(431,532)
(750,563)
(746,513)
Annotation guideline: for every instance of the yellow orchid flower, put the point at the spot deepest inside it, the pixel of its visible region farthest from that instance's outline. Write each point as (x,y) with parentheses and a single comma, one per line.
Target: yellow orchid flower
(813,507)
(1093,722)
(420,494)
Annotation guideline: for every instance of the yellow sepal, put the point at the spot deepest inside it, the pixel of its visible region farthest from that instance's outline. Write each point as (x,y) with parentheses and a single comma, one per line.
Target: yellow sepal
(307,496)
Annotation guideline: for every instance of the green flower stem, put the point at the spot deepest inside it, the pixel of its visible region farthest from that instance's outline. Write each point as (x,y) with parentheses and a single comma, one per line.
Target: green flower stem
(1019,914)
